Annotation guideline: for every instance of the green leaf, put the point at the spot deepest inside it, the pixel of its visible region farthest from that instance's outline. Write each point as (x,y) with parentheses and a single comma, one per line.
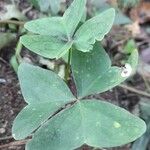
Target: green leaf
(55,6)
(46,46)
(93,73)
(33,116)
(45,93)
(44,85)
(61,27)
(121,18)
(73,15)
(143,142)
(14,63)
(91,122)
(134,60)
(94,29)
(55,37)
(47,26)
(130,46)
(145,109)
(43,5)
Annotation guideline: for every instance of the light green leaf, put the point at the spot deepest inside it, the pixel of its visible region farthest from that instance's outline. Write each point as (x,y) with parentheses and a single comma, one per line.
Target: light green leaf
(14,63)
(130,46)
(94,29)
(39,85)
(134,60)
(55,6)
(33,116)
(55,37)
(43,5)
(87,122)
(45,93)
(73,15)
(51,26)
(62,27)
(93,73)
(46,46)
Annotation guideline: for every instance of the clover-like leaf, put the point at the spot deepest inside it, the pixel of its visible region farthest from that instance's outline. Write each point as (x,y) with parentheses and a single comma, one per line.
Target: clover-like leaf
(94,29)
(47,5)
(93,73)
(45,45)
(91,122)
(73,15)
(51,26)
(45,93)
(59,26)
(55,33)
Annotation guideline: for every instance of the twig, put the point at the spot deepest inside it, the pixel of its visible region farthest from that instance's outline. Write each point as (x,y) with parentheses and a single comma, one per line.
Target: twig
(16,143)
(135,90)
(6,138)
(19,23)
(4,61)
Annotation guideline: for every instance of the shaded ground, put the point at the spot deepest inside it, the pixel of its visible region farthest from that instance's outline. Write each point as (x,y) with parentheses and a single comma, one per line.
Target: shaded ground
(11,103)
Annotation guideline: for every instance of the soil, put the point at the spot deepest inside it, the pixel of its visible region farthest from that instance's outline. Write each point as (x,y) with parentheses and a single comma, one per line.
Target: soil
(11,102)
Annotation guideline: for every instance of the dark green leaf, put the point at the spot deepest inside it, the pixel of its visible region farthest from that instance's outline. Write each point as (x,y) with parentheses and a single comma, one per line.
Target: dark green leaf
(93,73)
(91,122)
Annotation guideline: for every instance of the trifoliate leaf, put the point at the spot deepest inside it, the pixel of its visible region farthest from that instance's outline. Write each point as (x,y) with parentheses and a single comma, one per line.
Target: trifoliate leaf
(91,122)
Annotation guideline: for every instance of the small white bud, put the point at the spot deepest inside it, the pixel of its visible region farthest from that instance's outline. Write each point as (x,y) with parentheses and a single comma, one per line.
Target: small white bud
(126,70)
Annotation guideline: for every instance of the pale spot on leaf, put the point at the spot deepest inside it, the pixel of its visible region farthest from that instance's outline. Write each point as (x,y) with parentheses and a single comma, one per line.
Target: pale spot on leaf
(117,124)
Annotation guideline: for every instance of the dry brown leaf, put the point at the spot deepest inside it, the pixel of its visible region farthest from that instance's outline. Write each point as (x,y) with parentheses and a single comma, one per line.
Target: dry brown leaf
(141,13)
(134,28)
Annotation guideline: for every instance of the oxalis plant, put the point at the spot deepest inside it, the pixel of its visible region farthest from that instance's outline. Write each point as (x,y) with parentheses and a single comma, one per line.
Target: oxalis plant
(54,117)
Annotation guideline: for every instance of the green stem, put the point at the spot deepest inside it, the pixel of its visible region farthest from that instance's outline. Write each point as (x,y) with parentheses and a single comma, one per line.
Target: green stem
(18,51)
(67,71)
